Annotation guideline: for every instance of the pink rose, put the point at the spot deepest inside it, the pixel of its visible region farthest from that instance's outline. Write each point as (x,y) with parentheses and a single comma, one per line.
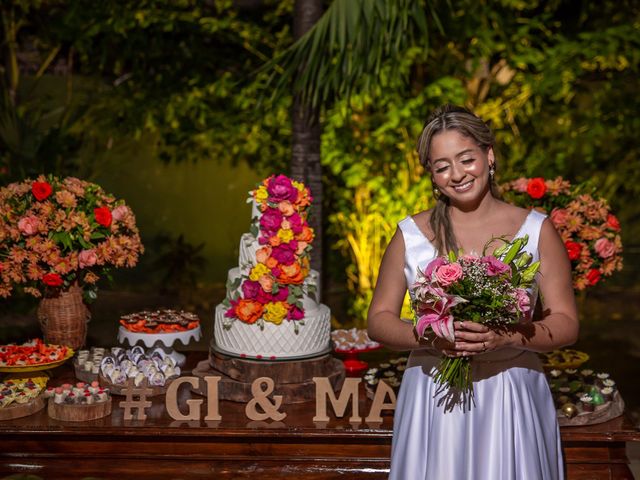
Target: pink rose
(428,272)
(29,225)
(605,248)
(87,258)
(296,223)
(295,313)
(120,213)
(270,221)
(286,208)
(448,274)
(250,289)
(559,217)
(301,247)
(523,300)
(263,254)
(282,295)
(495,266)
(280,188)
(266,282)
(283,255)
(520,185)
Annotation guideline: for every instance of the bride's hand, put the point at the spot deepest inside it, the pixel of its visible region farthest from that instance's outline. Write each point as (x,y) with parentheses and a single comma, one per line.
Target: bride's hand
(473,338)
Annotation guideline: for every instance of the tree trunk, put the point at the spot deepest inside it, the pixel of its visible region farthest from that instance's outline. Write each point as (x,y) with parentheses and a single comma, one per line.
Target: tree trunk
(305,161)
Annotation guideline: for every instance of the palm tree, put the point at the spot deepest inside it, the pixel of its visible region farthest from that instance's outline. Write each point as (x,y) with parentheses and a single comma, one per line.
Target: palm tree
(333,55)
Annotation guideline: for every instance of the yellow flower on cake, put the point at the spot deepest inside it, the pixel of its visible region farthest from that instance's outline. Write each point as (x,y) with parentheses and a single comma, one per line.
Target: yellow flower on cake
(257,271)
(275,312)
(262,194)
(285,235)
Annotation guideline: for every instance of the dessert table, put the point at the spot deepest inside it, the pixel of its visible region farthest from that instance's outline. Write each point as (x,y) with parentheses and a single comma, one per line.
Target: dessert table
(236,447)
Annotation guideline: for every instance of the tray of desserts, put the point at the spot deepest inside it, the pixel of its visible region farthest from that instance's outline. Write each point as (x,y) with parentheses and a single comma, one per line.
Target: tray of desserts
(32,356)
(160,321)
(22,395)
(584,397)
(138,367)
(390,372)
(78,403)
(564,358)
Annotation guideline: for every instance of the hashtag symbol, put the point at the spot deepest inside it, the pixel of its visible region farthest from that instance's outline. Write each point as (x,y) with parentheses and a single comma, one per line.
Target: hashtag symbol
(140,404)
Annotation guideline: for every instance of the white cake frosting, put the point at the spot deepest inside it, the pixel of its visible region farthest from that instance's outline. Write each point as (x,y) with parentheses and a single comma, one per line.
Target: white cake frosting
(304,338)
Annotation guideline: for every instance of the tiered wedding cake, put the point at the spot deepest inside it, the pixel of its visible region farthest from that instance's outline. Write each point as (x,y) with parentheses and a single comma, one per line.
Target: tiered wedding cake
(270,311)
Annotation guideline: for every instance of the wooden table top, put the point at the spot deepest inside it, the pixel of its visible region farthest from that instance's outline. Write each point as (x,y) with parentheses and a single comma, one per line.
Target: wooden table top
(234,423)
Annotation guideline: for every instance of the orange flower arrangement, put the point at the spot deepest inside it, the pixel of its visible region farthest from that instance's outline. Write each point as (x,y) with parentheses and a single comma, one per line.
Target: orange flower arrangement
(590,232)
(56,232)
(272,290)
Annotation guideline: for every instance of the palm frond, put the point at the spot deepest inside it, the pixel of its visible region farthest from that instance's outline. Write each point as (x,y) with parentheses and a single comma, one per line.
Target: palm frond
(348,47)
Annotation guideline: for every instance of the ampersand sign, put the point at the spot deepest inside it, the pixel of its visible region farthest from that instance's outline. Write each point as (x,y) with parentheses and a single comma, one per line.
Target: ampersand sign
(261,397)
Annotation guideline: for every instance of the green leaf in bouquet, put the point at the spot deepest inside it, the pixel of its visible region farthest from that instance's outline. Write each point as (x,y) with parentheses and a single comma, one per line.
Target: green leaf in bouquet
(452,256)
(97,236)
(83,243)
(523,259)
(529,273)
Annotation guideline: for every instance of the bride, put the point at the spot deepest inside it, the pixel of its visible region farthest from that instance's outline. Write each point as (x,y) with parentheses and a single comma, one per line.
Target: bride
(510,430)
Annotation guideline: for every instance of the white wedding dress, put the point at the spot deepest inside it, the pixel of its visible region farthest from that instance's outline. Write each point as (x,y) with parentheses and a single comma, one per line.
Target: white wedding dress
(508,431)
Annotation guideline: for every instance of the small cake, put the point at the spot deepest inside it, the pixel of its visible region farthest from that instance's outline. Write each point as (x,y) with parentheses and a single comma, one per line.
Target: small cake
(160,321)
(586,401)
(607,394)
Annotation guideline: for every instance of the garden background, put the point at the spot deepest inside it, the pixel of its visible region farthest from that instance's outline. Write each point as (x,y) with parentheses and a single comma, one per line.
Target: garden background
(181,106)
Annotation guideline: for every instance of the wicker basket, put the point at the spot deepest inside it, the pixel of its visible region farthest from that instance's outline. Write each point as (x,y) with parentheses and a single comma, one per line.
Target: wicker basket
(64,318)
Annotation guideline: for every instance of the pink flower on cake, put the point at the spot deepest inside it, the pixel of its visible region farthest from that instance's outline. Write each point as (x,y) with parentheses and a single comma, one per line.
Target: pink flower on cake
(250,289)
(296,223)
(280,188)
(301,246)
(263,254)
(295,313)
(448,273)
(495,266)
(282,295)
(270,221)
(87,258)
(286,208)
(605,248)
(29,225)
(283,255)
(266,282)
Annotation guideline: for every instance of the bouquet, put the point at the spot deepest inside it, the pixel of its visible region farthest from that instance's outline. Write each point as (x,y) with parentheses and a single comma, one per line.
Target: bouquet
(590,232)
(58,232)
(271,286)
(488,289)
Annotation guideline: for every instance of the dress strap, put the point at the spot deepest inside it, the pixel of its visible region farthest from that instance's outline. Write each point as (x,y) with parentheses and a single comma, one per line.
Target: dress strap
(411,233)
(532,227)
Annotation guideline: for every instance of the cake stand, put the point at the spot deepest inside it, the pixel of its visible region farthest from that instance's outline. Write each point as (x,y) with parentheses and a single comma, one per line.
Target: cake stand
(162,341)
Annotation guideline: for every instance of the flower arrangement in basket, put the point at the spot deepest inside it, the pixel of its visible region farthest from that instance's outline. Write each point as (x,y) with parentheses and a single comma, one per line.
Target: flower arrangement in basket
(57,237)
(271,289)
(590,232)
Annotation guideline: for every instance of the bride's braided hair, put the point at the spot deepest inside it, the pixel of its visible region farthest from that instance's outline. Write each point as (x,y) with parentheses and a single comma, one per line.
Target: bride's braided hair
(465,122)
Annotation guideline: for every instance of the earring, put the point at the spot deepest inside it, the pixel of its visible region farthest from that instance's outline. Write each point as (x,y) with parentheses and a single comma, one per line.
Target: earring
(492,172)
(436,191)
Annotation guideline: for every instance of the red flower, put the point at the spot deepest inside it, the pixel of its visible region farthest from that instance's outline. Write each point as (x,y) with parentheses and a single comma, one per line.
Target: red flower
(613,223)
(574,249)
(52,279)
(536,187)
(103,216)
(41,190)
(593,276)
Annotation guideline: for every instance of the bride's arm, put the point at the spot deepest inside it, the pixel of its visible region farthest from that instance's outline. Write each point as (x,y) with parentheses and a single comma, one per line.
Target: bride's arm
(385,325)
(559,325)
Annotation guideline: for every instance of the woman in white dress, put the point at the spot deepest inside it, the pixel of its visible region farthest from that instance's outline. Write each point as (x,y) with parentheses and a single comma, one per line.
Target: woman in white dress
(509,431)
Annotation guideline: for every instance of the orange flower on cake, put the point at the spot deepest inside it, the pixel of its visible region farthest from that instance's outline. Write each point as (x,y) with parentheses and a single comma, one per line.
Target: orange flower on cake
(590,232)
(248,311)
(59,231)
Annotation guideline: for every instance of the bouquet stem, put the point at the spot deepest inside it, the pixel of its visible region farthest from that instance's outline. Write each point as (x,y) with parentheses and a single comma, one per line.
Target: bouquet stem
(455,372)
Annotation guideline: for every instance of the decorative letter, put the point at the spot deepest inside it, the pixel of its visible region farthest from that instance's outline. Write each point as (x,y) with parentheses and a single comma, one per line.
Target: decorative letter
(261,397)
(213,412)
(324,390)
(172,400)
(378,402)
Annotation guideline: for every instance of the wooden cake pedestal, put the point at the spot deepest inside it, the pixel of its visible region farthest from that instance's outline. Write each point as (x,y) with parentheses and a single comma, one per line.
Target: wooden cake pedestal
(293,378)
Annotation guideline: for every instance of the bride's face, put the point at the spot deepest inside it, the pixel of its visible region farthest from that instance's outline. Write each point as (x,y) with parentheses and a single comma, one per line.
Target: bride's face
(459,167)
